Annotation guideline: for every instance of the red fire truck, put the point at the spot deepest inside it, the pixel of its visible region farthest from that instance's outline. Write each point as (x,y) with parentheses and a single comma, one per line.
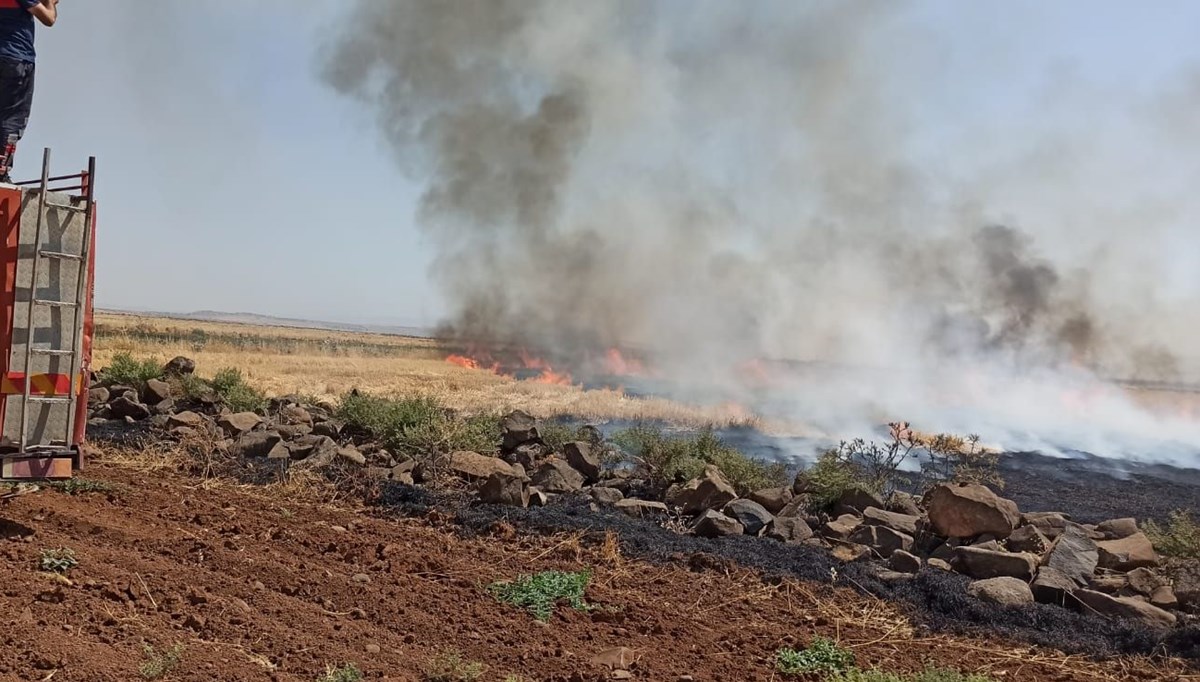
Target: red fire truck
(47,233)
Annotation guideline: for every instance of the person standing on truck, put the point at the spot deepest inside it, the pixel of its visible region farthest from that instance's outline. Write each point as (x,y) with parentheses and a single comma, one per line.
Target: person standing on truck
(17,58)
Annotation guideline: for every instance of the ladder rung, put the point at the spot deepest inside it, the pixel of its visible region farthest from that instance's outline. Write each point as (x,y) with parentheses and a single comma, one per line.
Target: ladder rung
(54,304)
(66,207)
(60,255)
(50,399)
(51,351)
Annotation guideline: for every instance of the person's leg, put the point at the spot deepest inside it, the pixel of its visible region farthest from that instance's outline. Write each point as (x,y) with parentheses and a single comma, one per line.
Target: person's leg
(16,103)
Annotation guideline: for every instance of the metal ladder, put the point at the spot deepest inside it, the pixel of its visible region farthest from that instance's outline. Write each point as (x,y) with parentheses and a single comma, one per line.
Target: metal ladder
(83,259)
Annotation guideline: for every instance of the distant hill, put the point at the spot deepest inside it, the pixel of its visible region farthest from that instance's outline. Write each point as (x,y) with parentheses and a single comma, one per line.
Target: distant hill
(271,321)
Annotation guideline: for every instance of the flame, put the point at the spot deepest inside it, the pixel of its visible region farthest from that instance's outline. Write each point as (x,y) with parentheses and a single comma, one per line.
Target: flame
(548,375)
(462,361)
(617,364)
(484,361)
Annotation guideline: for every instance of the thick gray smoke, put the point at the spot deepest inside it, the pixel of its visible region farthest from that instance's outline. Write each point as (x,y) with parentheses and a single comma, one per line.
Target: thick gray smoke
(716,182)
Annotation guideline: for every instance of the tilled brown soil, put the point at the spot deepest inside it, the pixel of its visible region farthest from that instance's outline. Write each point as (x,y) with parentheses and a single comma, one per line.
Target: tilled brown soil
(258,585)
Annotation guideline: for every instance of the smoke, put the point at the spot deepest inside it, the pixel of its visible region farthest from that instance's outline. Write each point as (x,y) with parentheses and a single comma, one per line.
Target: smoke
(716,182)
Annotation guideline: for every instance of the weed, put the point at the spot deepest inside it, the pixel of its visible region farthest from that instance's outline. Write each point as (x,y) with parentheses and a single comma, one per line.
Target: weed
(827,480)
(238,395)
(451,667)
(345,673)
(58,560)
(961,460)
(927,675)
(192,386)
(539,593)
(823,656)
(671,459)
(419,426)
(127,371)
(76,486)
(1180,537)
(159,664)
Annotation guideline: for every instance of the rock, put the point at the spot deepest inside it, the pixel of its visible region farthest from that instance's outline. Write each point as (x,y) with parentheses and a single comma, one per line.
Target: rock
(1073,554)
(1164,598)
(712,524)
(583,458)
(889,576)
(529,454)
(967,510)
(1001,591)
(606,495)
(330,429)
(858,500)
(841,527)
(293,431)
(1187,586)
(797,507)
(898,522)
(752,515)
(789,529)
(179,366)
(464,464)
(940,564)
(373,649)
(124,407)
(1126,554)
(1144,581)
(537,498)
(313,450)
(165,408)
(556,476)
(294,414)
(903,562)
(188,418)
(518,428)
(156,391)
(772,499)
(351,454)
(508,488)
(882,539)
(620,658)
(903,503)
(848,552)
(1052,587)
(711,491)
(1051,524)
(983,563)
(640,508)
(1125,607)
(361,578)
(1108,584)
(1028,539)
(236,424)
(1118,529)
(98,396)
(257,444)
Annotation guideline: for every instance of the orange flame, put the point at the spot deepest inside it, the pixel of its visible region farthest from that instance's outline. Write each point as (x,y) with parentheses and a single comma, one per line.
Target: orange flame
(462,361)
(618,365)
(548,375)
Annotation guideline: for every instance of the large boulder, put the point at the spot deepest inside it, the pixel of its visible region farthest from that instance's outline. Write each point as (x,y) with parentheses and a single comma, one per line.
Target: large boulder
(1125,607)
(156,391)
(882,539)
(898,522)
(238,423)
(1073,554)
(857,500)
(258,444)
(1187,585)
(582,457)
(1050,524)
(903,503)
(986,563)
(904,562)
(712,524)
(1052,587)
(508,488)
(518,428)
(1028,539)
(124,406)
(316,450)
(464,464)
(772,499)
(1128,553)
(752,515)
(1002,591)
(1117,529)
(179,366)
(556,476)
(640,508)
(710,491)
(967,510)
(789,529)
(603,495)
(841,527)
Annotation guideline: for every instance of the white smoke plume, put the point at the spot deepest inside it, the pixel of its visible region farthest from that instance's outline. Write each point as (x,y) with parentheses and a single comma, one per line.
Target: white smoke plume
(715,183)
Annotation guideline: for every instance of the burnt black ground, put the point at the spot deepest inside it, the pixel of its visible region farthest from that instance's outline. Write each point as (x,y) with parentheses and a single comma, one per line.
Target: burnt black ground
(935,599)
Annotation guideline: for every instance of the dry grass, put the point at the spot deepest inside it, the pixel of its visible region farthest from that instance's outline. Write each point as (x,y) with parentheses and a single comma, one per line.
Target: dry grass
(326,365)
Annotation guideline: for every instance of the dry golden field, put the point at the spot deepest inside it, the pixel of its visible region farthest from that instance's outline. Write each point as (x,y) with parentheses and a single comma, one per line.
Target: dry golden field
(328,364)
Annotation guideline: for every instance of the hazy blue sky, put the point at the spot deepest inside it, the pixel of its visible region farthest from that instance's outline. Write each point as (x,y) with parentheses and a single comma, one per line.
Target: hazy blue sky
(231,178)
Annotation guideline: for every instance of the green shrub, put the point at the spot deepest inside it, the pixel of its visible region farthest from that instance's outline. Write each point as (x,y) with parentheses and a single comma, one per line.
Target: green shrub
(539,593)
(1180,537)
(192,386)
(127,371)
(420,425)
(158,664)
(238,395)
(452,667)
(928,675)
(80,485)
(827,480)
(345,673)
(57,560)
(671,459)
(823,656)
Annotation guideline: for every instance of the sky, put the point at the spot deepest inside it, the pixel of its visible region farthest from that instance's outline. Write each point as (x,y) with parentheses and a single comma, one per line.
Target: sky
(230,177)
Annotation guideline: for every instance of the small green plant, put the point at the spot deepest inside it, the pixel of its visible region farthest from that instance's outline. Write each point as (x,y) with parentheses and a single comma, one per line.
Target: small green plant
(452,667)
(927,675)
(128,371)
(158,664)
(539,593)
(193,387)
(345,673)
(1180,537)
(670,459)
(58,560)
(823,656)
(80,485)
(420,426)
(238,395)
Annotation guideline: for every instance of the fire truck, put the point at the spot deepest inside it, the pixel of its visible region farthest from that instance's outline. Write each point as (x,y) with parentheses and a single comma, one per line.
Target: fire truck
(47,235)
